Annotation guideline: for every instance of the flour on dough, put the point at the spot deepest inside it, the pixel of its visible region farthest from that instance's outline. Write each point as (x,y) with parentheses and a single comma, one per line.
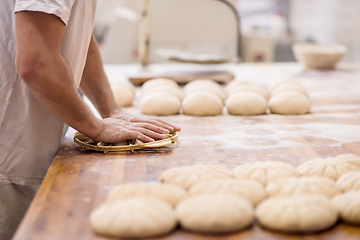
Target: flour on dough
(187,176)
(303,185)
(133,218)
(265,172)
(249,189)
(160,103)
(246,103)
(214,213)
(202,104)
(300,213)
(289,103)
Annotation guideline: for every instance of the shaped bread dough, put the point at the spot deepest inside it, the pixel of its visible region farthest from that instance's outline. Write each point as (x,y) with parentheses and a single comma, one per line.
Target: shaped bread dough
(187,176)
(283,82)
(160,103)
(348,205)
(303,185)
(289,87)
(202,104)
(168,89)
(166,192)
(265,172)
(214,213)
(218,92)
(125,84)
(249,189)
(349,181)
(289,102)
(201,82)
(156,82)
(300,213)
(235,83)
(133,217)
(249,88)
(331,168)
(246,103)
(123,96)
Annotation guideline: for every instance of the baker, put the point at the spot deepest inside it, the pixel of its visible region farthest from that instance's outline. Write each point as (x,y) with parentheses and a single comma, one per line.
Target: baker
(47,52)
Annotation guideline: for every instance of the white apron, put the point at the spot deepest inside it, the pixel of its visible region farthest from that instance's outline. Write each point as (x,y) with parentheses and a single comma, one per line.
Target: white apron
(30,135)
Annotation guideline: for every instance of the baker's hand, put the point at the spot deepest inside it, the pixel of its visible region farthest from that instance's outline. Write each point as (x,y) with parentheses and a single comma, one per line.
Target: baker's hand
(123,127)
(145,120)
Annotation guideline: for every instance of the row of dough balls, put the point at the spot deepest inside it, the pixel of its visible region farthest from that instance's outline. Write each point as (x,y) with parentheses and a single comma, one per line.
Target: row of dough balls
(286,97)
(215,199)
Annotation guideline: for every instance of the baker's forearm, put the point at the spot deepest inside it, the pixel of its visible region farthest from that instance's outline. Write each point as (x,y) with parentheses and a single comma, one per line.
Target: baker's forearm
(95,85)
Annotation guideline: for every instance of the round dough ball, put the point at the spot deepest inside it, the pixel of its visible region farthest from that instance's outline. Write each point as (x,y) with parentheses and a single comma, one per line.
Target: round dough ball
(249,88)
(160,103)
(246,103)
(156,82)
(218,92)
(265,172)
(202,104)
(123,96)
(349,181)
(289,87)
(235,83)
(166,192)
(348,205)
(187,176)
(251,190)
(201,82)
(331,168)
(303,185)
(301,213)
(289,102)
(168,89)
(125,84)
(133,217)
(283,82)
(214,213)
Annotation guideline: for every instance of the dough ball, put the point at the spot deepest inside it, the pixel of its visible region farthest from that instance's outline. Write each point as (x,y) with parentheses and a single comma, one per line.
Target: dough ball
(166,192)
(156,82)
(133,217)
(265,172)
(348,205)
(349,181)
(283,82)
(214,213)
(251,190)
(331,168)
(125,84)
(249,88)
(201,82)
(301,213)
(289,102)
(123,96)
(160,103)
(303,185)
(211,89)
(235,83)
(246,103)
(202,104)
(168,89)
(289,87)
(187,176)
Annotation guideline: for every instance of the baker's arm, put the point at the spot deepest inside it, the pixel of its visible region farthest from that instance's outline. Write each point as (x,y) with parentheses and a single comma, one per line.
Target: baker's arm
(42,67)
(95,85)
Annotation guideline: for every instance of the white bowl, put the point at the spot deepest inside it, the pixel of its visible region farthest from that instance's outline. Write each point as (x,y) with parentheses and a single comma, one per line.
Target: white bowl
(318,56)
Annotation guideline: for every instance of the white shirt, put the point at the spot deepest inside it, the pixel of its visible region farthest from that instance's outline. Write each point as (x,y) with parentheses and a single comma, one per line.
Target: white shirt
(30,135)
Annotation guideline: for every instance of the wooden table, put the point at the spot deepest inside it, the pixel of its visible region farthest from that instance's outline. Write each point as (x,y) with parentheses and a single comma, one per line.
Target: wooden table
(78,180)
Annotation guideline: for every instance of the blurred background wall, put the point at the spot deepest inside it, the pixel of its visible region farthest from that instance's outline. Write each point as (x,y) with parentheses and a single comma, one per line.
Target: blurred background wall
(269,27)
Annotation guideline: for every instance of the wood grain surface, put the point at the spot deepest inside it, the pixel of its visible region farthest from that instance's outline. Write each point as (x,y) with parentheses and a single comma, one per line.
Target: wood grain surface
(79,180)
